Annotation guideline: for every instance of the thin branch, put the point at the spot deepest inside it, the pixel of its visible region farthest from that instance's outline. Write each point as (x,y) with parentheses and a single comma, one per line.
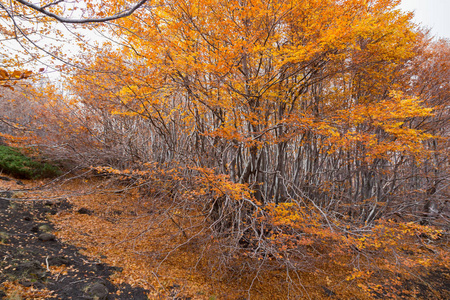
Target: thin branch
(81,21)
(52,4)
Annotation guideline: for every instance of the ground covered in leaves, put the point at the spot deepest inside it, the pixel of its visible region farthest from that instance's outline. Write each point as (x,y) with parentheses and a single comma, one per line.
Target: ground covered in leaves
(35,264)
(83,239)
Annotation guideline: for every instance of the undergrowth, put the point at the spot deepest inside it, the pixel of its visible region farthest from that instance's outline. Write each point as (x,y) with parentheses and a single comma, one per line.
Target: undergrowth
(16,164)
(167,249)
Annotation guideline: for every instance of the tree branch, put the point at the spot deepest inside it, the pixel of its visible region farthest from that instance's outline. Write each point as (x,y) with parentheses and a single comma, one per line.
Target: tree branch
(81,21)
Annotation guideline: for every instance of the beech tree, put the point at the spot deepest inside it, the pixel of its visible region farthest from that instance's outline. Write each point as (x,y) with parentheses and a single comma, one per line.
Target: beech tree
(287,131)
(261,83)
(22,20)
(244,88)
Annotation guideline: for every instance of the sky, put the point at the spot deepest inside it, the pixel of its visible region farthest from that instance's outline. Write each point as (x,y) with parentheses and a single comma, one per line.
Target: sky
(433,14)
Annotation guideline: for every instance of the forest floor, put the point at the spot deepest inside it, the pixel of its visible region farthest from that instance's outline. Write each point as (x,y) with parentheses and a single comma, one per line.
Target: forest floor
(37,265)
(53,246)
(68,246)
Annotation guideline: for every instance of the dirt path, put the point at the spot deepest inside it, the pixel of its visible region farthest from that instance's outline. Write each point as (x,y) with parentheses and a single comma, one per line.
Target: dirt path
(35,265)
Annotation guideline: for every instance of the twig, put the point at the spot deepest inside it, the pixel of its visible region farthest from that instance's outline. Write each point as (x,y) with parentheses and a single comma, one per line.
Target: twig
(46,263)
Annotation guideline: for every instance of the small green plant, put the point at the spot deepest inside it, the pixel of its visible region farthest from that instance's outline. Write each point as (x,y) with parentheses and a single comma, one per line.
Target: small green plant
(45,228)
(16,164)
(4,237)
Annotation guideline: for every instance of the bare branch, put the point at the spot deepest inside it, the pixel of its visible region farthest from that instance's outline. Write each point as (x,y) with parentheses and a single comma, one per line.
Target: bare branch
(52,4)
(81,21)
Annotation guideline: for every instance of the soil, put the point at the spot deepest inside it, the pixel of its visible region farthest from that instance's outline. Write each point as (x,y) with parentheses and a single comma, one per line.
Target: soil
(29,252)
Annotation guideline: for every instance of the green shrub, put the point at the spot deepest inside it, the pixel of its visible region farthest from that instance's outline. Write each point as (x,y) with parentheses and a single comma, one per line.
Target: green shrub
(16,164)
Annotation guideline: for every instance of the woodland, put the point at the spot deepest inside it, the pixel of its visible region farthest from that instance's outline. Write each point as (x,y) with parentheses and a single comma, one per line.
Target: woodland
(240,149)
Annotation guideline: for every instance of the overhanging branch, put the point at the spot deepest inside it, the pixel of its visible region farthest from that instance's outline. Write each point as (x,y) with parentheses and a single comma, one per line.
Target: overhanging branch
(80,21)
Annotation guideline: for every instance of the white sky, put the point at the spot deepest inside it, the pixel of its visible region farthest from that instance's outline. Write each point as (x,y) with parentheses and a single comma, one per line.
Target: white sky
(433,14)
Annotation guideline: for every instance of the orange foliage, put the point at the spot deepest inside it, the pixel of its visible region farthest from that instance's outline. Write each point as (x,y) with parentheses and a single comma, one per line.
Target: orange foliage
(285,134)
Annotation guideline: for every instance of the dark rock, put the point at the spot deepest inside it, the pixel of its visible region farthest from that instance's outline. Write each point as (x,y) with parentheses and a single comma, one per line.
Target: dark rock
(26,283)
(116,269)
(29,269)
(38,285)
(98,291)
(99,267)
(35,228)
(64,204)
(328,292)
(6,194)
(174,291)
(84,211)
(29,265)
(58,261)
(46,237)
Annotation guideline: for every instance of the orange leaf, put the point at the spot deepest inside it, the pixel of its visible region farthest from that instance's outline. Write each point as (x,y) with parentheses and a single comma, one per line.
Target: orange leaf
(3,74)
(16,74)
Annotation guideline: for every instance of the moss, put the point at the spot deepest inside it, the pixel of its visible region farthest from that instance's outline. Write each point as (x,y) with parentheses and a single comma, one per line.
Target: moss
(45,228)
(4,237)
(16,164)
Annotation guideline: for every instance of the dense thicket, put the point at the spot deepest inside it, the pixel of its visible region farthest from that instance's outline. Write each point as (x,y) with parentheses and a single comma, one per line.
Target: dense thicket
(338,103)
(284,123)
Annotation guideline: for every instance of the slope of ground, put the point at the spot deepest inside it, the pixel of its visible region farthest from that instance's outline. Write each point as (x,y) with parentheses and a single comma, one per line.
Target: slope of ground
(85,235)
(34,264)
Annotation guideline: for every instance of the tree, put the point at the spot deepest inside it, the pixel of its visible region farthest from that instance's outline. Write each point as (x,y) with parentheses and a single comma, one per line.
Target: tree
(19,18)
(263,83)
(50,11)
(291,131)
